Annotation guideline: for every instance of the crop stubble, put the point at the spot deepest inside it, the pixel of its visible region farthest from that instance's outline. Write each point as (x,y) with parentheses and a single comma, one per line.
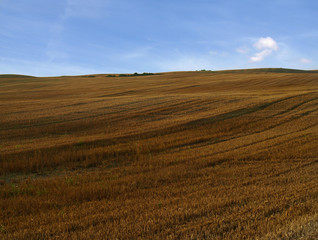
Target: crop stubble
(184,155)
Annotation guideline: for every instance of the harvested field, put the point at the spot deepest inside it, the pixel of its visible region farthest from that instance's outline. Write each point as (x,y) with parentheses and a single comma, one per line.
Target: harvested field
(179,155)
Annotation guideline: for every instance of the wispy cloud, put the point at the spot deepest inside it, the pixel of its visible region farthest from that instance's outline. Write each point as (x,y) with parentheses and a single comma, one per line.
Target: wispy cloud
(56,47)
(243,50)
(84,8)
(137,53)
(265,46)
(305,60)
(184,63)
(222,54)
(53,49)
(261,55)
(43,68)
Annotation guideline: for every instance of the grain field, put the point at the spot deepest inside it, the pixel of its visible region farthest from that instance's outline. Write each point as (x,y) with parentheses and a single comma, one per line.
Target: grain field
(178,155)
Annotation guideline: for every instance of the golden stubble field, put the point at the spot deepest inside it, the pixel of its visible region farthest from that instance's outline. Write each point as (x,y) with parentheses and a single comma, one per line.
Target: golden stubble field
(180,155)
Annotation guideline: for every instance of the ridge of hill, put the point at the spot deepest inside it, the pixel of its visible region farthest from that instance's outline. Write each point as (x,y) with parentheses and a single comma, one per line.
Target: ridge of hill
(15,76)
(269,70)
(251,70)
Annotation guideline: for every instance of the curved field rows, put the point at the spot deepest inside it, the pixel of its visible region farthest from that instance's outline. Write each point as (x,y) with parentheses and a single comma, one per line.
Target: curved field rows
(181,155)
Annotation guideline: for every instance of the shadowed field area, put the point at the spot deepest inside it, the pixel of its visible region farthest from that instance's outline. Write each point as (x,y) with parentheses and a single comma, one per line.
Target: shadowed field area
(180,155)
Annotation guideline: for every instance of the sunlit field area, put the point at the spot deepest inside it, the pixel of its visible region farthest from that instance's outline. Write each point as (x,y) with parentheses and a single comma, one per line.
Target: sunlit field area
(179,155)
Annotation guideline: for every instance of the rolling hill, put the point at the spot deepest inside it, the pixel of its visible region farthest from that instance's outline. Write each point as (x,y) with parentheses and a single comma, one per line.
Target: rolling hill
(178,155)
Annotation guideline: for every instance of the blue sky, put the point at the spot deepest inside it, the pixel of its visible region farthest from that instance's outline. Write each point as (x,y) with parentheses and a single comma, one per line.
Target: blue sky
(69,37)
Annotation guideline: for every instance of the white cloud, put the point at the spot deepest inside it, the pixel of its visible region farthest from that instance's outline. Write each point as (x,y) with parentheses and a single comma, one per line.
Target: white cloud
(305,60)
(261,55)
(266,46)
(266,43)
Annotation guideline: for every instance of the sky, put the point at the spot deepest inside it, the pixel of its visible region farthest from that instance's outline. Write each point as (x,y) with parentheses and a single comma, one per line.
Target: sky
(73,37)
